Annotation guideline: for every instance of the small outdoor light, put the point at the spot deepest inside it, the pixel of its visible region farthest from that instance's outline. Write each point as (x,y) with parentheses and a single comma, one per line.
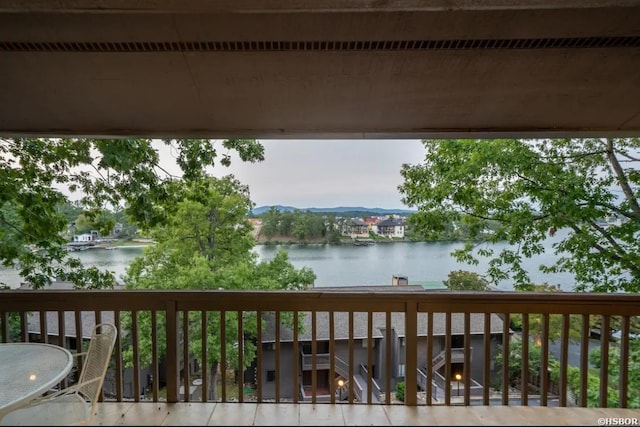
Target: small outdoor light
(458,378)
(340,385)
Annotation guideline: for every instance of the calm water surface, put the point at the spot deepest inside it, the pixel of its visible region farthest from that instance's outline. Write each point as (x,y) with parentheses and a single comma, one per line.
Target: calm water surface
(346,265)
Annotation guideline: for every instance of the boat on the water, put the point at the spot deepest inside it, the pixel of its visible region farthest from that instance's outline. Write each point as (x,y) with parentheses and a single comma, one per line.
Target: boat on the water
(363,242)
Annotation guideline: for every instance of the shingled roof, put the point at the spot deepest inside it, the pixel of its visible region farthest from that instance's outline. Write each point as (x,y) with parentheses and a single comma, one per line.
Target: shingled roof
(360,325)
(341,321)
(88,318)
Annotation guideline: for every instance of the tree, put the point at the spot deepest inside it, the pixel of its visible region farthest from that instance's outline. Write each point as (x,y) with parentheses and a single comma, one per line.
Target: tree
(614,371)
(466,281)
(555,320)
(107,174)
(205,243)
(270,221)
(534,360)
(534,189)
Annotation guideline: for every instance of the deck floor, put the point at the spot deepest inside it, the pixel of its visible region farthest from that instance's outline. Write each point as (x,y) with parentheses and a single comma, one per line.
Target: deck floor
(253,414)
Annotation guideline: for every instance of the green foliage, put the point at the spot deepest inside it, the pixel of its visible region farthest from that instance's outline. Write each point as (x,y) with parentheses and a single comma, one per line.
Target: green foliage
(105,174)
(533,189)
(573,373)
(593,389)
(466,281)
(14,323)
(613,369)
(400,388)
(300,225)
(205,243)
(555,320)
(515,360)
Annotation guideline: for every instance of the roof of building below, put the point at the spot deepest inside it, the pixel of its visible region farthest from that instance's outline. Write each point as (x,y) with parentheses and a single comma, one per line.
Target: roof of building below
(360,322)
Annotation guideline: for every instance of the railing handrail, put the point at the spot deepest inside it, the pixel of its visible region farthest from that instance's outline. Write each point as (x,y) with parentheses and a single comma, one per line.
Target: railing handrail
(320,357)
(376,388)
(422,379)
(621,304)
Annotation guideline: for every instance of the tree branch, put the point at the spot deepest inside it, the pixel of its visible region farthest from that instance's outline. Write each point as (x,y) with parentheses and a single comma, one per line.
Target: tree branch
(622,179)
(635,270)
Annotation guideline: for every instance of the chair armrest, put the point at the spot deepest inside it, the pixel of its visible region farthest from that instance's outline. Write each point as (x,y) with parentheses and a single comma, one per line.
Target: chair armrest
(76,388)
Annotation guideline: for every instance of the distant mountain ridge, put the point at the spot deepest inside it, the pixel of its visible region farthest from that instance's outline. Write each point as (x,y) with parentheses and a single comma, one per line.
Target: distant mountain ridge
(339,209)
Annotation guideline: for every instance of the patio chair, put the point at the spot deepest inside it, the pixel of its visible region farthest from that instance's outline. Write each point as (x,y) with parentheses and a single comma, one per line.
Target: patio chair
(76,404)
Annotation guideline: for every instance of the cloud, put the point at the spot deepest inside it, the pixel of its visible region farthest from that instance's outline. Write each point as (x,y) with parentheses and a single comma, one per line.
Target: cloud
(326,173)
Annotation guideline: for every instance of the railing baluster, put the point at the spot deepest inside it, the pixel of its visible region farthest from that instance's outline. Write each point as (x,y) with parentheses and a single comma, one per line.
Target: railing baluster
(584,359)
(387,369)
(429,365)
(154,356)
(44,335)
(447,358)
(505,357)
(172,352)
(259,355)
(79,339)
(411,354)
(350,379)
(467,359)
(98,320)
(240,357)
(369,356)
(223,354)
(544,364)
(4,326)
(204,368)
(277,361)
(605,336)
(185,356)
(24,326)
(624,362)
(118,356)
(296,362)
(524,389)
(564,359)
(62,338)
(486,371)
(136,357)
(314,357)
(332,358)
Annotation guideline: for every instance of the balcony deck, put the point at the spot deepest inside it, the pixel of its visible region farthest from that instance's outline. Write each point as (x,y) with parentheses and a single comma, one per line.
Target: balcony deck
(182,317)
(253,414)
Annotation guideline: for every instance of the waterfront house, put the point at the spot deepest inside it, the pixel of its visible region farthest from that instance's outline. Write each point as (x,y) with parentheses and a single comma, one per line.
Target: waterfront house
(356,227)
(391,228)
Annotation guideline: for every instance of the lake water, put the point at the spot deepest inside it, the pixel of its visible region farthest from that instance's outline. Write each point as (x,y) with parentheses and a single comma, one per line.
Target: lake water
(347,265)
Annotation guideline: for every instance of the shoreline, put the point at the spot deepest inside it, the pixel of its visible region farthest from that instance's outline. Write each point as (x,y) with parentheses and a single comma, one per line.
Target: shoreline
(350,242)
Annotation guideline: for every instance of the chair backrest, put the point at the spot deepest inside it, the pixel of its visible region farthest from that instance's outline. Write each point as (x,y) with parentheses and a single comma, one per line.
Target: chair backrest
(97,360)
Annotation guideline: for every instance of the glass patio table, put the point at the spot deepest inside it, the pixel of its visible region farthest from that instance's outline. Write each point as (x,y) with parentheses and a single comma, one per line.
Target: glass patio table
(28,370)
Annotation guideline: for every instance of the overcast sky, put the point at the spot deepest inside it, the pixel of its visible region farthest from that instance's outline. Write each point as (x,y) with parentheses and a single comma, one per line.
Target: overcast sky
(326,173)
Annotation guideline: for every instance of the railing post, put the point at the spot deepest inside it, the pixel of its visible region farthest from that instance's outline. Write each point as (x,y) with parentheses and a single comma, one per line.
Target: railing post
(4,321)
(411,343)
(173,368)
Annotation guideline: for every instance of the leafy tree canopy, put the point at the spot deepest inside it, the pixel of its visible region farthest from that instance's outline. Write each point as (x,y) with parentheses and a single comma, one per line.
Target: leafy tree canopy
(205,243)
(466,281)
(103,173)
(533,189)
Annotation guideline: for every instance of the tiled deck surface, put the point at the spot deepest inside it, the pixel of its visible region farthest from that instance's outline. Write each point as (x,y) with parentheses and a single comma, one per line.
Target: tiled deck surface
(252,414)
